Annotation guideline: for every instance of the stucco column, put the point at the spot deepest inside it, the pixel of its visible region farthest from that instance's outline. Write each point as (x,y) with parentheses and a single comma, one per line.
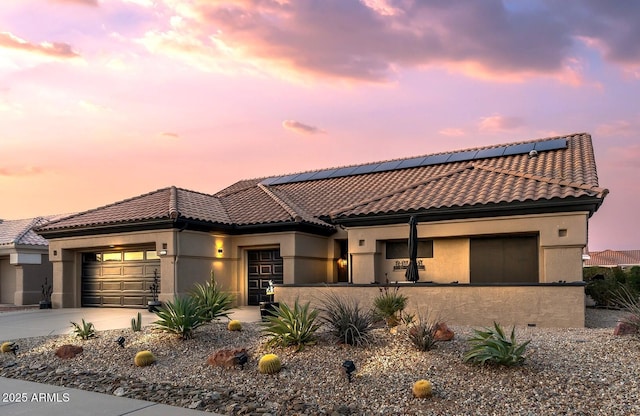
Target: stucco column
(64,284)
(363,268)
(18,297)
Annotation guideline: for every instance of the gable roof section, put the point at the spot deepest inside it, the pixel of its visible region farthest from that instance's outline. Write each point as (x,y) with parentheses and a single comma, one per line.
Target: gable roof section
(613,258)
(21,232)
(562,176)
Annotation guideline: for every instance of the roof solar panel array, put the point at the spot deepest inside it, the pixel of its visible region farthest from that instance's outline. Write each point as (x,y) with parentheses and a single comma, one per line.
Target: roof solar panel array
(462,156)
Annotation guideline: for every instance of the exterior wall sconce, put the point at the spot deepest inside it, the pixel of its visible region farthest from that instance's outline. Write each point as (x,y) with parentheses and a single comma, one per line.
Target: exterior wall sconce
(219,250)
(342,262)
(162,253)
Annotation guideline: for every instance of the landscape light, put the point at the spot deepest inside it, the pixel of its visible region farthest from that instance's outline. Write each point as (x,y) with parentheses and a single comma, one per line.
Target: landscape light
(120,341)
(348,367)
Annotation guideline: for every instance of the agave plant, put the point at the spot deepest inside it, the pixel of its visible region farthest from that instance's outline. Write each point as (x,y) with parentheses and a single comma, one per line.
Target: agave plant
(288,326)
(491,345)
(180,317)
(389,304)
(348,323)
(84,331)
(213,302)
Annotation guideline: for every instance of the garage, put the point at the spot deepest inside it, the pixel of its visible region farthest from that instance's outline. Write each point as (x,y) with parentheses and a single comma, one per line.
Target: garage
(119,278)
(264,265)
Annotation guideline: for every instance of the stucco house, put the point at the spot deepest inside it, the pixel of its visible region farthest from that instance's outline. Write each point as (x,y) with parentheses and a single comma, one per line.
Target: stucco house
(613,258)
(24,261)
(501,233)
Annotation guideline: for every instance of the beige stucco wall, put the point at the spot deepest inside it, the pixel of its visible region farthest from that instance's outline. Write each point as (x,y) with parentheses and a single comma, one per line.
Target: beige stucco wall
(21,284)
(7,281)
(559,306)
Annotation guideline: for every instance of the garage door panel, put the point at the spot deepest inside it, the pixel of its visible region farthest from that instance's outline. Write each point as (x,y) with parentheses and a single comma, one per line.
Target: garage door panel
(118,283)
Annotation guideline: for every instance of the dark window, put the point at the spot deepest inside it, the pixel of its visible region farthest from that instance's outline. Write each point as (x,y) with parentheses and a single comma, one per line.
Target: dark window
(399,249)
(512,259)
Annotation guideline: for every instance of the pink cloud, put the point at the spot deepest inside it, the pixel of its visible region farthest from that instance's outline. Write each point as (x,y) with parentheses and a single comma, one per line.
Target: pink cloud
(500,123)
(25,171)
(452,132)
(300,128)
(56,49)
(93,3)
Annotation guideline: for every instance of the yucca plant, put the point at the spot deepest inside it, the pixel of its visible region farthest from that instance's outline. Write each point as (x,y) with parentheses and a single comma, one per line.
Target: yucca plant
(422,333)
(389,304)
(180,317)
(491,345)
(84,331)
(213,302)
(288,326)
(348,322)
(631,304)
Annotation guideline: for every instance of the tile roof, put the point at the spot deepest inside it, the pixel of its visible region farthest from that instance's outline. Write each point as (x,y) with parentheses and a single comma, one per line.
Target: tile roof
(21,232)
(557,174)
(612,258)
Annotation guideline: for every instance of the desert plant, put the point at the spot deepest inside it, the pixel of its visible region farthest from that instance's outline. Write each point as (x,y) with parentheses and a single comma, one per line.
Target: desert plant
(422,333)
(136,323)
(288,326)
(234,325)
(212,301)
(631,304)
(491,345)
(269,364)
(421,389)
(84,331)
(389,304)
(144,358)
(180,317)
(348,322)
(6,346)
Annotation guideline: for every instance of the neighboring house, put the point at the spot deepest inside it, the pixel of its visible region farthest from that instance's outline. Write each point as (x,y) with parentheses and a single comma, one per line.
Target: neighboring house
(24,261)
(613,258)
(501,230)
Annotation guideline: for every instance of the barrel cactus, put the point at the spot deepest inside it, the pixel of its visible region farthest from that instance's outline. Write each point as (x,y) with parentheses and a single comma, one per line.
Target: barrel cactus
(234,325)
(144,358)
(422,389)
(269,364)
(6,346)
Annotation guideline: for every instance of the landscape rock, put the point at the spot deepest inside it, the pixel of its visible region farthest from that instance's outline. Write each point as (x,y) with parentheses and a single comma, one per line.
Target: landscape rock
(68,351)
(443,333)
(624,328)
(228,357)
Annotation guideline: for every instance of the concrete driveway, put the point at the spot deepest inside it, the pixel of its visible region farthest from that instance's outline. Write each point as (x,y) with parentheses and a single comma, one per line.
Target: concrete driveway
(42,322)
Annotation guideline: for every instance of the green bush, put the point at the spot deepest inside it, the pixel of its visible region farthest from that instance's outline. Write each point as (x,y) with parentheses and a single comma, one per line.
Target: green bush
(180,317)
(348,323)
(84,331)
(630,301)
(492,346)
(213,302)
(422,333)
(288,326)
(389,304)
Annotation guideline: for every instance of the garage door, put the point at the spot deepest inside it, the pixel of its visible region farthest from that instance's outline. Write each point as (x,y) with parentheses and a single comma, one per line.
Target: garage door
(264,265)
(119,278)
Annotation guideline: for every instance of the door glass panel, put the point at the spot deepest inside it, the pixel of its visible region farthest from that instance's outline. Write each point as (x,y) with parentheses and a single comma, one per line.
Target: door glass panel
(133,255)
(112,257)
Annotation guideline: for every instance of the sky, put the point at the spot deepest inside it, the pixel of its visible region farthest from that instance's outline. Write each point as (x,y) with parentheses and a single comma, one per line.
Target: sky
(103,100)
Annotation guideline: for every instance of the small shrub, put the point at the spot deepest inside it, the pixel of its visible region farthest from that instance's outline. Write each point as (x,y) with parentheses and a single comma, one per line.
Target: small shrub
(180,317)
(213,302)
(288,326)
(86,331)
(348,323)
(422,334)
(492,346)
(136,323)
(144,358)
(389,304)
(269,364)
(631,304)
(234,325)
(422,389)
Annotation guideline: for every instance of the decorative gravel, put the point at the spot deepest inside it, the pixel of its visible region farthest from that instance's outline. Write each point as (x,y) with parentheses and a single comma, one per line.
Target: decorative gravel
(586,371)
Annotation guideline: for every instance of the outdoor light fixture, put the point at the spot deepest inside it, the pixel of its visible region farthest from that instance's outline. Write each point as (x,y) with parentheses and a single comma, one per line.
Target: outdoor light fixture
(348,367)
(120,341)
(342,262)
(162,253)
(219,250)
(13,347)
(241,359)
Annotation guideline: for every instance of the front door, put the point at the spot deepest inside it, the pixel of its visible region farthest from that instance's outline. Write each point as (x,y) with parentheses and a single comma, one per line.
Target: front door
(264,265)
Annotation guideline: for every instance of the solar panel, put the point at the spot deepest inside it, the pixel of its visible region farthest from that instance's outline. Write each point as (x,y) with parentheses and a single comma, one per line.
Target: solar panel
(387,166)
(491,152)
(551,145)
(283,179)
(303,177)
(435,159)
(268,181)
(343,172)
(410,163)
(361,170)
(462,156)
(518,149)
(323,174)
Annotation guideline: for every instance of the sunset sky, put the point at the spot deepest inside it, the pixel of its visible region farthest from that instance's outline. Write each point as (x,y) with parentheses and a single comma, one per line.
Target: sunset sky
(102,100)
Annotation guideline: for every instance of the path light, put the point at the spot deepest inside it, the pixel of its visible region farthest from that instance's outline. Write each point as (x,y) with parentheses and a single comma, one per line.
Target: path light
(14,348)
(120,341)
(348,367)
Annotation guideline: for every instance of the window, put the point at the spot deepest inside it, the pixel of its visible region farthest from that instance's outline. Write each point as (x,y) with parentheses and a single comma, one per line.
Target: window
(112,256)
(133,255)
(508,259)
(399,249)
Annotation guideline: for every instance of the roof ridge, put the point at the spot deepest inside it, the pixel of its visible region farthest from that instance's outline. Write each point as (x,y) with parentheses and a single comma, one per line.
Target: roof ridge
(403,189)
(540,178)
(27,228)
(292,213)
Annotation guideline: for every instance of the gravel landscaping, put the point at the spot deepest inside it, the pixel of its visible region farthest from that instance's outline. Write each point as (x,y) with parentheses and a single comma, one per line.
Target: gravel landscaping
(585,371)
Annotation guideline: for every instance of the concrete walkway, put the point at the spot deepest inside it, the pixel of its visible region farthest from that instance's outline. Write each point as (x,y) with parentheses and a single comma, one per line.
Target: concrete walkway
(18,397)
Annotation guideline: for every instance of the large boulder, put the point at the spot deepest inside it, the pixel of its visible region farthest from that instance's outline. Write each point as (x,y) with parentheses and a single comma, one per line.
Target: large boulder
(625,328)
(443,333)
(68,351)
